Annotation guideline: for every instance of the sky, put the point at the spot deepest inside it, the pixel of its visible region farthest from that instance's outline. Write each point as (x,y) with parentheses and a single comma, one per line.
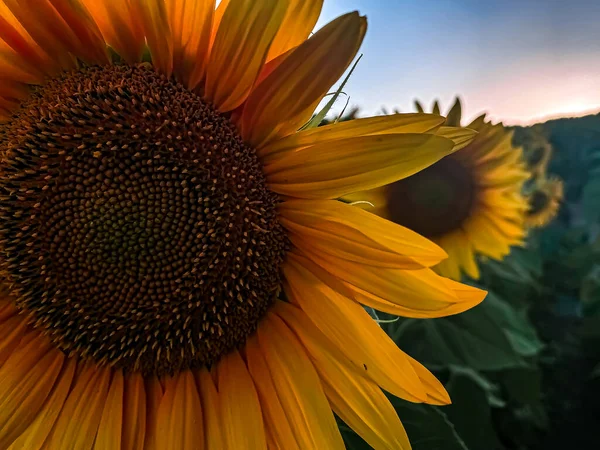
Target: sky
(522,61)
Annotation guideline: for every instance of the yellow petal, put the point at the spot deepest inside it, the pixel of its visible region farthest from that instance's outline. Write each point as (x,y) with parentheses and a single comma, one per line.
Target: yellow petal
(121,29)
(300,19)
(191,25)
(90,45)
(398,123)
(155,23)
(45,28)
(18,47)
(85,402)
(418,293)
(134,412)
(111,424)
(216,23)
(179,417)
(460,136)
(352,330)
(302,79)
(357,235)
(36,434)
(358,401)
(241,416)
(26,381)
(12,331)
(449,267)
(7,309)
(436,393)
(213,436)
(240,49)
(335,169)
(276,422)
(154,394)
(298,387)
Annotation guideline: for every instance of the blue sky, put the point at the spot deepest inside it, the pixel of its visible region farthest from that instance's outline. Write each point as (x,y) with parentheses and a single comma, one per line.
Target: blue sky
(518,60)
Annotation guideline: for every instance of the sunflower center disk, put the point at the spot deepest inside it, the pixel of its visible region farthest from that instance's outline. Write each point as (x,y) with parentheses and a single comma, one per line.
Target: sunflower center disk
(538,202)
(136,226)
(434,201)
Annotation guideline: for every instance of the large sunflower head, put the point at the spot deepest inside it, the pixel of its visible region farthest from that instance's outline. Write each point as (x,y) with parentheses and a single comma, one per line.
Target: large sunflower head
(177,271)
(544,202)
(470,203)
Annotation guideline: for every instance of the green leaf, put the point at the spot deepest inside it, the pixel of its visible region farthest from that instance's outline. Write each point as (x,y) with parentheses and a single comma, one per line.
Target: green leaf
(470,412)
(491,336)
(516,325)
(428,428)
(590,292)
(590,203)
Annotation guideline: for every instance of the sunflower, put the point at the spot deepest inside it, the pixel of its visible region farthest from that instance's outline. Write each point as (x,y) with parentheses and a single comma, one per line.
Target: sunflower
(537,152)
(177,272)
(469,203)
(544,202)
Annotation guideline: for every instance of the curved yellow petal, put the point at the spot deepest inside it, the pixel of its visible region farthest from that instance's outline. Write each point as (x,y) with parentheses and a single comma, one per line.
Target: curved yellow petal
(191,25)
(85,402)
(398,123)
(303,78)
(154,395)
(179,416)
(357,235)
(241,415)
(419,293)
(90,45)
(332,170)
(298,387)
(36,434)
(359,402)
(277,424)
(213,436)
(61,27)
(45,28)
(134,412)
(154,20)
(20,56)
(352,330)
(111,424)
(244,36)
(12,330)
(120,27)
(460,136)
(26,381)
(300,19)
(436,393)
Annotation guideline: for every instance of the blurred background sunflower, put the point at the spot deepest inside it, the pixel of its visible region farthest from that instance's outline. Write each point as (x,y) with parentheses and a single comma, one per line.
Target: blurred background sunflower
(177,271)
(544,202)
(470,203)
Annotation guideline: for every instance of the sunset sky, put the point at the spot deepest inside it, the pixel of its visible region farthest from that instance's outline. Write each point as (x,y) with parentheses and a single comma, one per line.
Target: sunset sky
(520,60)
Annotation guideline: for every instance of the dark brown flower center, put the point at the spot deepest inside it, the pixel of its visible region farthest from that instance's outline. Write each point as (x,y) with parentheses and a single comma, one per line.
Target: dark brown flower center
(136,226)
(434,201)
(538,202)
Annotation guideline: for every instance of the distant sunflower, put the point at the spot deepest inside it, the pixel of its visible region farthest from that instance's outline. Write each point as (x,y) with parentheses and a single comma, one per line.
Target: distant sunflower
(469,203)
(177,272)
(544,202)
(537,152)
